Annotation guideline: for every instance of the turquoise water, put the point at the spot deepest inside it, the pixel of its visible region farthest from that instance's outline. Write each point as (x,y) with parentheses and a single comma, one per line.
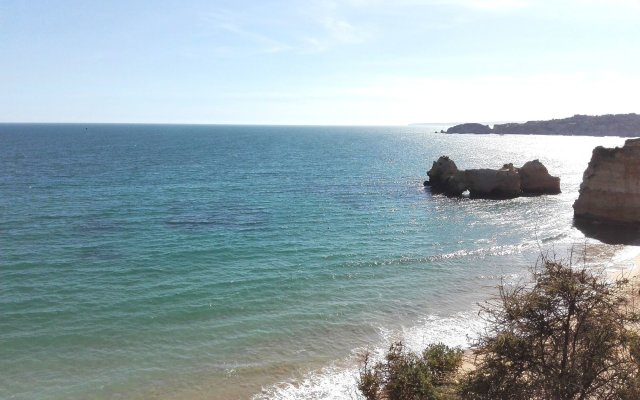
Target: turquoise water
(153,261)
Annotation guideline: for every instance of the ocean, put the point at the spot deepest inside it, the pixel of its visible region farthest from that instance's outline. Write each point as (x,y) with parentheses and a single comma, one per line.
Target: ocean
(238,262)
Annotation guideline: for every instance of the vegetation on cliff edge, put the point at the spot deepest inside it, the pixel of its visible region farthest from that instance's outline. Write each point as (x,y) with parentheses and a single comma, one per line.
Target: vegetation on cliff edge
(569,334)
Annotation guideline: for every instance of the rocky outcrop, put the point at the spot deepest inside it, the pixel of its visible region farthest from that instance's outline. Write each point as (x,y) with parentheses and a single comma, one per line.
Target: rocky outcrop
(610,189)
(534,178)
(441,171)
(627,125)
(493,183)
(506,182)
(470,128)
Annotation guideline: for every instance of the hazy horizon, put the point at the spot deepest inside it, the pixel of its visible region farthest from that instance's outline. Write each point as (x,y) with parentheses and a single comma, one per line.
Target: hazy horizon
(424,123)
(339,62)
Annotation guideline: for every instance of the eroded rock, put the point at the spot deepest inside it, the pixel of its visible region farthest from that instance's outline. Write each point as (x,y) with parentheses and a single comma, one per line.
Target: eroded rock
(493,183)
(610,189)
(535,178)
(441,170)
(507,182)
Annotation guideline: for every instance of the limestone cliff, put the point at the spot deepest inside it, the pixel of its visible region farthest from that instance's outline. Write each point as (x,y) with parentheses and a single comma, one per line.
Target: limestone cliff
(610,189)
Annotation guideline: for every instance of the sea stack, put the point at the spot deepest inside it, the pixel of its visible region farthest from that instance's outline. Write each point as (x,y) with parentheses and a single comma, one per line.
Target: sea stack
(610,189)
(504,183)
(535,178)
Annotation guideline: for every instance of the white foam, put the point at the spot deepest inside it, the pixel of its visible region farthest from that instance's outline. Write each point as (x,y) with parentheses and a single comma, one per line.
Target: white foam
(628,253)
(458,330)
(339,380)
(623,260)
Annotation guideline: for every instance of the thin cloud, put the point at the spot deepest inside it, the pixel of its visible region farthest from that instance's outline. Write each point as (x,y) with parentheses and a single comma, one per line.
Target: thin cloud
(473,4)
(230,24)
(335,32)
(490,4)
(308,33)
(342,31)
(267,45)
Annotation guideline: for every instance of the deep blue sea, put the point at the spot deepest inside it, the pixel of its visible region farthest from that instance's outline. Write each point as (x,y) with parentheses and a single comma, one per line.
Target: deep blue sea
(231,262)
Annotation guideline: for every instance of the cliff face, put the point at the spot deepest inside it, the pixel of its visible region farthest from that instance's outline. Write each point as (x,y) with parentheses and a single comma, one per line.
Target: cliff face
(610,189)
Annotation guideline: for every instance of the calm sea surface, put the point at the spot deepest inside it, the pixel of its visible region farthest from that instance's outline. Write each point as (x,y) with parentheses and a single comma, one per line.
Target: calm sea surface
(223,262)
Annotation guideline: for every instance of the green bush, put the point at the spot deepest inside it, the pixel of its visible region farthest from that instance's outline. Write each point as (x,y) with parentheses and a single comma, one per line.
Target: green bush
(404,375)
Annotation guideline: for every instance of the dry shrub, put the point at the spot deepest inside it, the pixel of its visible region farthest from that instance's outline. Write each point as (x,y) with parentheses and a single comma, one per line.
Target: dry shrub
(571,334)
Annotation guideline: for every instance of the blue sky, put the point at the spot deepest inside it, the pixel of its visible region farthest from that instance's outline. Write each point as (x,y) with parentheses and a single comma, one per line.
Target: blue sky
(369,62)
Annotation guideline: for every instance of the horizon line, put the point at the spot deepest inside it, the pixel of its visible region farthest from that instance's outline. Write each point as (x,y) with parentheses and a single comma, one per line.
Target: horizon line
(215,123)
(452,123)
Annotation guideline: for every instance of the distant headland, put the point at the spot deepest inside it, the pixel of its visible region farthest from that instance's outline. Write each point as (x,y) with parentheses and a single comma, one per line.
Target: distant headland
(627,125)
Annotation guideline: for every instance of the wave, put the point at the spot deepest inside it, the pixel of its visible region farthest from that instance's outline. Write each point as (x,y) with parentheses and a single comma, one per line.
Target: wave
(339,380)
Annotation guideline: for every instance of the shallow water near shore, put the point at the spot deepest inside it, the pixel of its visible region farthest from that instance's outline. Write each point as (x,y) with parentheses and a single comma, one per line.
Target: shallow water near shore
(221,262)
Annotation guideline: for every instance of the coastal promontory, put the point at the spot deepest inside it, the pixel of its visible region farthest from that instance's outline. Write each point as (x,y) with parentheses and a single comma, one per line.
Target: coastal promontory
(470,128)
(626,125)
(610,189)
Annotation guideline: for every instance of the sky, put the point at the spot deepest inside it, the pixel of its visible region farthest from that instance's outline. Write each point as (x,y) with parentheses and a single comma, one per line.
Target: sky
(316,62)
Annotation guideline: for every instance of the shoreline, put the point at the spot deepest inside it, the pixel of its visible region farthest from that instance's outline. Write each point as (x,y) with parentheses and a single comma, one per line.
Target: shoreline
(625,267)
(614,261)
(320,381)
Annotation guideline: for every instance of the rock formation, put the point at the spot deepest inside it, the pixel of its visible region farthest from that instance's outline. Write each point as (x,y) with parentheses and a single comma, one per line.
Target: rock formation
(493,183)
(470,128)
(441,171)
(610,189)
(579,125)
(534,178)
(506,182)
